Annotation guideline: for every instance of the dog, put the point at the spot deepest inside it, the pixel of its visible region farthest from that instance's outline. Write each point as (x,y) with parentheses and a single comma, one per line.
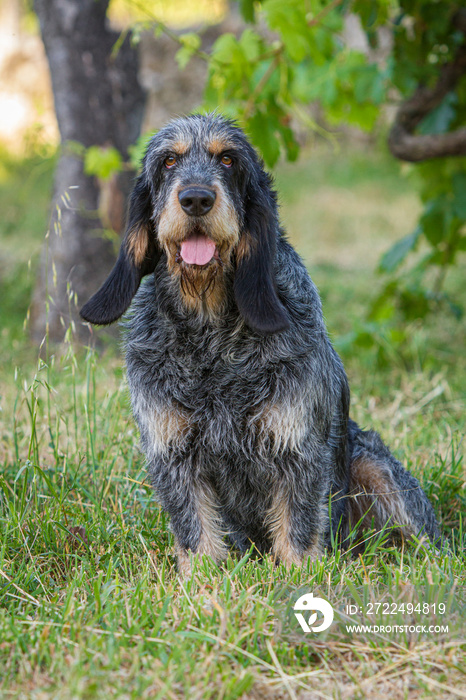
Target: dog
(241,401)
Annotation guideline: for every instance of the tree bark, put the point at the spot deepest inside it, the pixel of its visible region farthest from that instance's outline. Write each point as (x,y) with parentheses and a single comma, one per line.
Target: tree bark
(98,101)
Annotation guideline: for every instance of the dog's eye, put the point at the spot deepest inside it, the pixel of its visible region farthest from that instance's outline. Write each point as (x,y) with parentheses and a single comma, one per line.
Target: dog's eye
(227,161)
(170,161)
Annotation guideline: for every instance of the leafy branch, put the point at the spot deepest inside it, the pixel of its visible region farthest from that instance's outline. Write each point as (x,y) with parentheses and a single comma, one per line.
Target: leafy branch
(291,55)
(402,140)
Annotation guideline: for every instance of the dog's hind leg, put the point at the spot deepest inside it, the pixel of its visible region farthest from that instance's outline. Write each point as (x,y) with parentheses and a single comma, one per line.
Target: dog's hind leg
(383,493)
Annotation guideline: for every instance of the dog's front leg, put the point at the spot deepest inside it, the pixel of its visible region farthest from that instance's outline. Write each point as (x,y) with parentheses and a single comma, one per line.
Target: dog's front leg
(205,524)
(191,504)
(297,520)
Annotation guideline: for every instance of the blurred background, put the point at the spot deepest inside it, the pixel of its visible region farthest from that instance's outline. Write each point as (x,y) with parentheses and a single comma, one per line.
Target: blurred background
(82,85)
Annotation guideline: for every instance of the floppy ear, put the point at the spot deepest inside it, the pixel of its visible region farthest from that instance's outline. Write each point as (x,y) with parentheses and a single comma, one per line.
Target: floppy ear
(139,254)
(254,285)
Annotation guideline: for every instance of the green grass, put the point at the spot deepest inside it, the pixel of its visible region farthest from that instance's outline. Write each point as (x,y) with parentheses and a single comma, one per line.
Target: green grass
(90,602)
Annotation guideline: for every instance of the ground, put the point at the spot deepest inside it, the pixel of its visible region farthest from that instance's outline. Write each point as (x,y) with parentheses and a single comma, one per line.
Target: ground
(91,605)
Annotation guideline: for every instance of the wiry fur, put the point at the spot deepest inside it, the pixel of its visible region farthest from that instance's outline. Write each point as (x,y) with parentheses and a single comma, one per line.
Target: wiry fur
(241,401)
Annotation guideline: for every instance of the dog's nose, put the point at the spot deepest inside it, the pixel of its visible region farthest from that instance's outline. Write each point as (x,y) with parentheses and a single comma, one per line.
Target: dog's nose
(196,201)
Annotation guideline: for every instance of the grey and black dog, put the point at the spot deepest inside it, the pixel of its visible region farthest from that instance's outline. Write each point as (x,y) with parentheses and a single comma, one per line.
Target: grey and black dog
(241,400)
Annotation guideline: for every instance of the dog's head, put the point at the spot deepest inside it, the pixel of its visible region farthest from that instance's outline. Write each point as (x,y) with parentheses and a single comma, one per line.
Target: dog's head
(205,200)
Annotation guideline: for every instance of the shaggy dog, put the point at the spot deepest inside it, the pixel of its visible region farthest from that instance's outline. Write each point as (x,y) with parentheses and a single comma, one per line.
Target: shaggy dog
(241,400)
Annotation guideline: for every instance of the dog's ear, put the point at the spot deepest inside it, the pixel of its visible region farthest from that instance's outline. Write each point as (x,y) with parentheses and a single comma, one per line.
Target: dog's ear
(139,254)
(254,285)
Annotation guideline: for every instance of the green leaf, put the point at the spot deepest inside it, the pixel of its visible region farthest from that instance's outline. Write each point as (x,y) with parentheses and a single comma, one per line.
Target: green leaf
(288,18)
(459,191)
(296,45)
(439,120)
(247,10)
(250,43)
(263,131)
(183,57)
(102,162)
(191,43)
(398,252)
(224,48)
(434,220)
(229,64)
(290,143)
(414,303)
(371,12)
(369,85)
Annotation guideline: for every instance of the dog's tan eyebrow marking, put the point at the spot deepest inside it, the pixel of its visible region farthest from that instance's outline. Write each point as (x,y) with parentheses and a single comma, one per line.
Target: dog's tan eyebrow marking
(217,145)
(181,146)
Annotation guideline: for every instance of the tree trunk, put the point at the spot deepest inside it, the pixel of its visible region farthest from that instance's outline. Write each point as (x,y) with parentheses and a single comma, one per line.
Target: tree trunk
(98,101)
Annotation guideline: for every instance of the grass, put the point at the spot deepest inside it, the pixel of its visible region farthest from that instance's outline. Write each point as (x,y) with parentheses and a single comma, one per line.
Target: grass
(90,602)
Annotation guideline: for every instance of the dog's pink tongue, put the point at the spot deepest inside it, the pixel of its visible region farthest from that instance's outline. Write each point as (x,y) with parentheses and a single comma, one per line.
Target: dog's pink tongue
(197,250)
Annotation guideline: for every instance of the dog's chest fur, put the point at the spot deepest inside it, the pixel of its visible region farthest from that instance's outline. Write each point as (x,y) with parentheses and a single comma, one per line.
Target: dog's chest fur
(214,386)
(221,379)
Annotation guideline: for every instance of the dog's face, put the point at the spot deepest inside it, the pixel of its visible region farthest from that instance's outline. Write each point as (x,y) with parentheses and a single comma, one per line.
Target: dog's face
(197,170)
(204,199)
